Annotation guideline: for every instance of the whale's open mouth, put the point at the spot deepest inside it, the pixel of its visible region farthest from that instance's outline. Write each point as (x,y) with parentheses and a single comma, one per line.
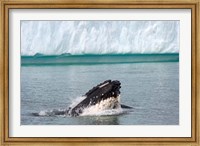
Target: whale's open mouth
(106,91)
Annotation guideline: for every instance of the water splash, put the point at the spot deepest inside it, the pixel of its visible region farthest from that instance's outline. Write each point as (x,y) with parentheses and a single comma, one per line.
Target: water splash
(110,106)
(50,113)
(99,37)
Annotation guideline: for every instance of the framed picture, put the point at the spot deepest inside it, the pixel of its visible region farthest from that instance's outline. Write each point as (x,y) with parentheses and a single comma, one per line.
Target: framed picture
(106,72)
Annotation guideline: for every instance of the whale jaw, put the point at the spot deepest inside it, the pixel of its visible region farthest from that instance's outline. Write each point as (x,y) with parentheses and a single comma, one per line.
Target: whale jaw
(108,90)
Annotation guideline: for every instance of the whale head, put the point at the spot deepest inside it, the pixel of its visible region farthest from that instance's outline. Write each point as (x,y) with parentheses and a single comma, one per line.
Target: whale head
(104,96)
(107,89)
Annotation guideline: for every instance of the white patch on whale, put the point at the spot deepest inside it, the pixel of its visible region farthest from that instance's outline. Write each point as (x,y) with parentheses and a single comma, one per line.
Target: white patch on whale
(109,106)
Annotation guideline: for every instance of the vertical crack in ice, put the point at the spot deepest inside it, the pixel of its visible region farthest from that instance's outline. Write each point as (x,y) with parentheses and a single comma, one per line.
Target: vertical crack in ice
(99,37)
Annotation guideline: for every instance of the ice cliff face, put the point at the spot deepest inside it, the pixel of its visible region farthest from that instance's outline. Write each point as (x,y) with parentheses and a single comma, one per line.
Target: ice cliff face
(99,37)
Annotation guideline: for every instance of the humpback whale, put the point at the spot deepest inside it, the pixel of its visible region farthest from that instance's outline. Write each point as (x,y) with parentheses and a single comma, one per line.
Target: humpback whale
(105,96)
(108,90)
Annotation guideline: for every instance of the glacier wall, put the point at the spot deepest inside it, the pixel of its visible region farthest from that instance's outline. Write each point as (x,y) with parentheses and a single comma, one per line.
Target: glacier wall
(99,37)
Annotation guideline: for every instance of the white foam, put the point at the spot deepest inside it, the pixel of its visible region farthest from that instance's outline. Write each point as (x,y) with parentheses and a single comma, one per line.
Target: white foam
(53,112)
(110,106)
(42,113)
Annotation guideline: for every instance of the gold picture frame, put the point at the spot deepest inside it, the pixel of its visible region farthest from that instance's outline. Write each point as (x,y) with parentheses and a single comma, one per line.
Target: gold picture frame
(60,4)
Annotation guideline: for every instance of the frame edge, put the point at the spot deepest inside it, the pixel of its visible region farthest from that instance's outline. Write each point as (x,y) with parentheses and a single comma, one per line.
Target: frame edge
(4,74)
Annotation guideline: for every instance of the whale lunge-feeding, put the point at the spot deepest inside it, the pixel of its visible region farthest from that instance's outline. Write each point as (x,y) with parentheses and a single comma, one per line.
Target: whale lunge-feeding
(103,91)
(104,96)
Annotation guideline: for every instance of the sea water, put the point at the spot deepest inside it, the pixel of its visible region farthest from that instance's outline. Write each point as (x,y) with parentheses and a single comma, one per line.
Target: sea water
(149,84)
